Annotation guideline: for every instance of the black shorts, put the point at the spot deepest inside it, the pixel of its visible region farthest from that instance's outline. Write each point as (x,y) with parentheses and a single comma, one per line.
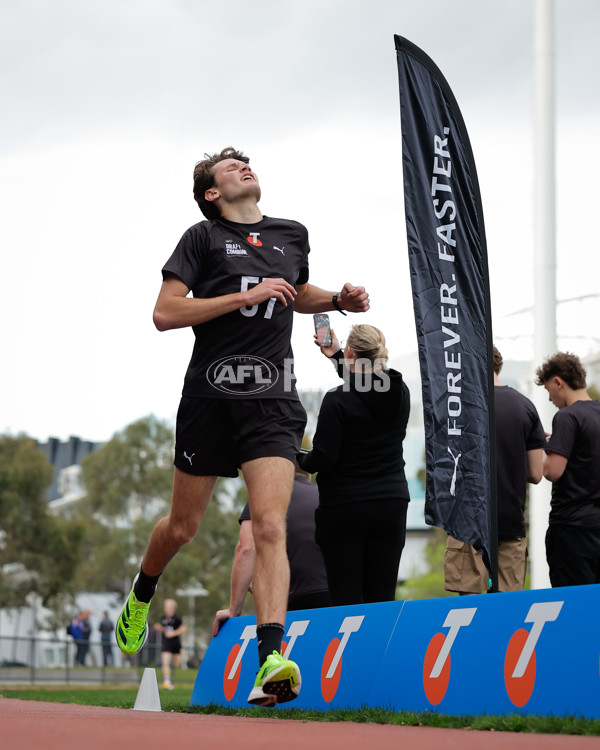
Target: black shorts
(214,436)
(171,645)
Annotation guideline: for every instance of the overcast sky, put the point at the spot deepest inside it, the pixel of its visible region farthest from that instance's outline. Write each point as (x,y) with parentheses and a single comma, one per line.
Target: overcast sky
(107,107)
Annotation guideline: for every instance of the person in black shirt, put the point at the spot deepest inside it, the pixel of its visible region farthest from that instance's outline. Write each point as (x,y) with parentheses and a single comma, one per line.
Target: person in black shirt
(308,579)
(106,628)
(171,628)
(357,452)
(520,442)
(239,410)
(572,464)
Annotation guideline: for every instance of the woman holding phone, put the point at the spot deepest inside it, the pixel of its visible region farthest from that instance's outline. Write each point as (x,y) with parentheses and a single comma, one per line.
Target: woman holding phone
(357,452)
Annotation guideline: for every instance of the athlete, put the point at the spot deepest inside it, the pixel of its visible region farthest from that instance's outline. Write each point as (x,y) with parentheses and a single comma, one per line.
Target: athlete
(171,628)
(239,408)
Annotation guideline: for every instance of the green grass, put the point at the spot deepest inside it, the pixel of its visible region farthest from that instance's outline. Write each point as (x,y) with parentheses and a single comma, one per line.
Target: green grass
(178,700)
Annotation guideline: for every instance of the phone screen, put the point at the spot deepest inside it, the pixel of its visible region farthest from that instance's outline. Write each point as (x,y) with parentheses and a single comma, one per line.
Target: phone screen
(322,328)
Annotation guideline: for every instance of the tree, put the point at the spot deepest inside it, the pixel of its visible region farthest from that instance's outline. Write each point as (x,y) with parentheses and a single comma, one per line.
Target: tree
(38,552)
(128,483)
(128,487)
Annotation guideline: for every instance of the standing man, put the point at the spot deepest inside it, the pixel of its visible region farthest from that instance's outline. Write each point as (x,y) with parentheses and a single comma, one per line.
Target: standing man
(239,408)
(520,441)
(572,464)
(106,628)
(308,577)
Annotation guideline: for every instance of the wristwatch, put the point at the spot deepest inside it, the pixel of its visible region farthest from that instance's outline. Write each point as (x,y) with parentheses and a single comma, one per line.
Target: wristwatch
(336,304)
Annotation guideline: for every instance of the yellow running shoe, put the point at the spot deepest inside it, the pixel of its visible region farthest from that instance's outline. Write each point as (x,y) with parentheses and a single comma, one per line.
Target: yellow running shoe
(277,681)
(131,630)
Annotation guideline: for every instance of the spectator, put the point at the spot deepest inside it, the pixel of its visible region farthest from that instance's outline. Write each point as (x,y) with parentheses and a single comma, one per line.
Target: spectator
(520,441)
(106,628)
(357,452)
(79,629)
(572,464)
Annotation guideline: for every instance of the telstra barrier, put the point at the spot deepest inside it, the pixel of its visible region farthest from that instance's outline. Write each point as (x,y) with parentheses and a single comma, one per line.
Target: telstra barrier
(529,652)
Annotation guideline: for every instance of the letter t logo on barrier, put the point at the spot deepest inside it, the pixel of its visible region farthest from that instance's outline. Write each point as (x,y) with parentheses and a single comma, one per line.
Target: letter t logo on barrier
(248,634)
(232,671)
(520,665)
(296,629)
(349,625)
(331,669)
(455,620)
(539,614)
(437,661)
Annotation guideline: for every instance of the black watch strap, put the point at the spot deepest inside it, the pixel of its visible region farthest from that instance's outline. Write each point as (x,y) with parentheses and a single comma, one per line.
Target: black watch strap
(336,304)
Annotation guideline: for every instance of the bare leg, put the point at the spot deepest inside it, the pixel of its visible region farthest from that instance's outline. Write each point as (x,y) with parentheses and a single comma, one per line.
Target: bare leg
(191,496)
(269,482)
(165,658)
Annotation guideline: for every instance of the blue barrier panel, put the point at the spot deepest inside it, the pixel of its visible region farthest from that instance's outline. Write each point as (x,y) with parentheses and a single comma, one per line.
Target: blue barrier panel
(531,652)
(338,649)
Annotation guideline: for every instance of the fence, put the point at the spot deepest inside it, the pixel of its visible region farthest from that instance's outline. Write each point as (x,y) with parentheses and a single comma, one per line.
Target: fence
(55,660)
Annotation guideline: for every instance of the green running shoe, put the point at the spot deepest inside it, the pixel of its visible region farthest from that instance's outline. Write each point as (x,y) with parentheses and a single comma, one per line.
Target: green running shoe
(131,630)
(277,681)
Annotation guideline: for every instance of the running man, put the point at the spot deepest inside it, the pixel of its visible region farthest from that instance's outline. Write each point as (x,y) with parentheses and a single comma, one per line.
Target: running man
(239,407)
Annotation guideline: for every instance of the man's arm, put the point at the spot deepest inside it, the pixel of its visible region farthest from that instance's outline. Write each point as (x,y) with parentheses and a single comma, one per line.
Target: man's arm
(241,576)
(554,466)
(535,465)
(174,633)
(174,309)
(312,299)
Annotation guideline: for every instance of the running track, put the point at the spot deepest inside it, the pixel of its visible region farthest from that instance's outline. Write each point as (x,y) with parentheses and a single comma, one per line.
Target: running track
(28,725)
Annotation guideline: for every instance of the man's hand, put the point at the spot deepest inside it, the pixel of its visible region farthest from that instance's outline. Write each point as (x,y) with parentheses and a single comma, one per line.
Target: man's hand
(278,288)
(353,298)
(220,619)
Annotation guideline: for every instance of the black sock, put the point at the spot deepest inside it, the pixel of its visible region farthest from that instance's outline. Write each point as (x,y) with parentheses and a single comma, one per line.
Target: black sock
(269,637)
(145,586)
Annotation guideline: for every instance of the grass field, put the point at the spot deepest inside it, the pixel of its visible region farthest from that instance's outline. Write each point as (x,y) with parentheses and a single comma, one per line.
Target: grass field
(178,700)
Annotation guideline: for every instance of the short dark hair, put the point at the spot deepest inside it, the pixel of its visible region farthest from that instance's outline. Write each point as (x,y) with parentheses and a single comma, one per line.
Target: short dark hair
(205,179)
(562,365)
(498,361)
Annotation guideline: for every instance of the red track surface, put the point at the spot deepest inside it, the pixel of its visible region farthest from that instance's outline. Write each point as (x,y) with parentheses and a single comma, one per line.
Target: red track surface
(28,725)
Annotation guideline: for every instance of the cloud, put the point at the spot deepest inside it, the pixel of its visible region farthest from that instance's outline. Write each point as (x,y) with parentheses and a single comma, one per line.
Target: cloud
(108,105)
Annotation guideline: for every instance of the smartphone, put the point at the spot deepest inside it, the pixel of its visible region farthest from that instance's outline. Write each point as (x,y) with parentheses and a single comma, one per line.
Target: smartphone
(322,328)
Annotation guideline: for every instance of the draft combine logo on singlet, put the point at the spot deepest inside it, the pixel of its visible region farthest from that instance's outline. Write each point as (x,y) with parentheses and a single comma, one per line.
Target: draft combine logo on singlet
(253,239)
(436,664)
(234,248)
(520,661)
(331,670)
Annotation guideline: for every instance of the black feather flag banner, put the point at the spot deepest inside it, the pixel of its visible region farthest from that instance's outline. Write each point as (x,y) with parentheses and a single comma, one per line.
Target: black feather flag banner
(450,285)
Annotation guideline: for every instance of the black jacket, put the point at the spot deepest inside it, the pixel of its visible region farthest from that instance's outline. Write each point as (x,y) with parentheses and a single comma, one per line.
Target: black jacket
(357,447)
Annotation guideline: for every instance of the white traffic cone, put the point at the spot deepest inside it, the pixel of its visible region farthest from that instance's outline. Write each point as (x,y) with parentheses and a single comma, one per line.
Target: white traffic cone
(148,698)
